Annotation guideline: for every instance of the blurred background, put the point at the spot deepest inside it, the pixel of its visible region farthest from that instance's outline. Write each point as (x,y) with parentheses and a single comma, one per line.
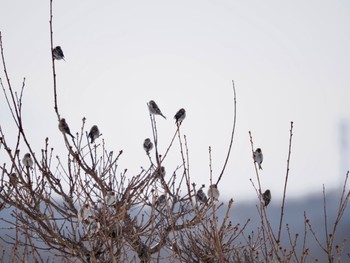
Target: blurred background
(289,61)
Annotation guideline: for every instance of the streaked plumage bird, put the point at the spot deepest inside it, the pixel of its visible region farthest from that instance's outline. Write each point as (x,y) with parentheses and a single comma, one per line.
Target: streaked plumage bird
(267,197)
(154,109)
(27,160)
(201,196)
(110,198)
(84,213)
(258,157)
(147,145)
(94,133)
(57,53)
(161,201)
(213,192)
(180,115)
(63,127)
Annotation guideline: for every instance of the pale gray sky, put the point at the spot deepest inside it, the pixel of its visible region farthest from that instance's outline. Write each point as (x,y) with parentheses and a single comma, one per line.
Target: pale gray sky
(289,60)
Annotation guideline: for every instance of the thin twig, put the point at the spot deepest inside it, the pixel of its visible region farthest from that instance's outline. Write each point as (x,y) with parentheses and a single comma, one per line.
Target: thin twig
(53,64)
(232,134)
(325,217)
(285,183)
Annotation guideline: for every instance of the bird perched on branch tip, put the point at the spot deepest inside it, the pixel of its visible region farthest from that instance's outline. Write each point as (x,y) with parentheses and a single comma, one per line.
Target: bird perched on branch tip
(154,109)
(180,115)
(258,157)
(147,145)
(201,196)
(27,160)
(213,192)
(94,133)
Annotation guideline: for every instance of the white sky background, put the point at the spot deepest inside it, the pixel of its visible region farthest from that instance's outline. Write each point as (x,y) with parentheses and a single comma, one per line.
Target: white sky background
(290,62)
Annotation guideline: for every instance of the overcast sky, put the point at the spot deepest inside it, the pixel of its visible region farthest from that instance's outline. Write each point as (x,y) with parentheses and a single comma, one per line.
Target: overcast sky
(290,62)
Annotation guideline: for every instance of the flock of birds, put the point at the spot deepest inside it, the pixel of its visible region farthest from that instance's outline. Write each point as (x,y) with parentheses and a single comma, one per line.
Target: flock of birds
(85,213)
(213,192)
(201,197)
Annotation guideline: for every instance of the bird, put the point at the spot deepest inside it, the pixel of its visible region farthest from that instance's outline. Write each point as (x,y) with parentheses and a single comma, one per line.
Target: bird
(154,109)
(160,172)
(13,179)
(63,127)
(201,196)
(98,206)
(147,145)
(180,115)
(266,197)
(94,133)
(27,160)
(258,157)
(84,213)
(58,53)
(94,227)
(213,192)
(110,198)
(161,201)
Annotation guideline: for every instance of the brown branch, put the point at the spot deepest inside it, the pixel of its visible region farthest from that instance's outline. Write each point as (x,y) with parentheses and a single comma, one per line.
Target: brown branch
(285,183)
(8,83)
(232,134)
(53,63)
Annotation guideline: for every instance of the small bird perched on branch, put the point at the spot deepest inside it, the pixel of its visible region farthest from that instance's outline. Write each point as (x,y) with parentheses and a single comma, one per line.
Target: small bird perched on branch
(63,127)
(154,109)
(98,206)
(93,227)
(147,145)
(258,157)
(160,172)
(161,201)
(13,179)
(201,196)
(180,115)
(84,213)
(94,133)
(58,53)
(27,160)
(266,197)
(213,192)
(110,198)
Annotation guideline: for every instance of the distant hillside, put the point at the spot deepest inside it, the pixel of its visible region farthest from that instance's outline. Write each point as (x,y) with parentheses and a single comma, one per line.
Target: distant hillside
(294,216)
